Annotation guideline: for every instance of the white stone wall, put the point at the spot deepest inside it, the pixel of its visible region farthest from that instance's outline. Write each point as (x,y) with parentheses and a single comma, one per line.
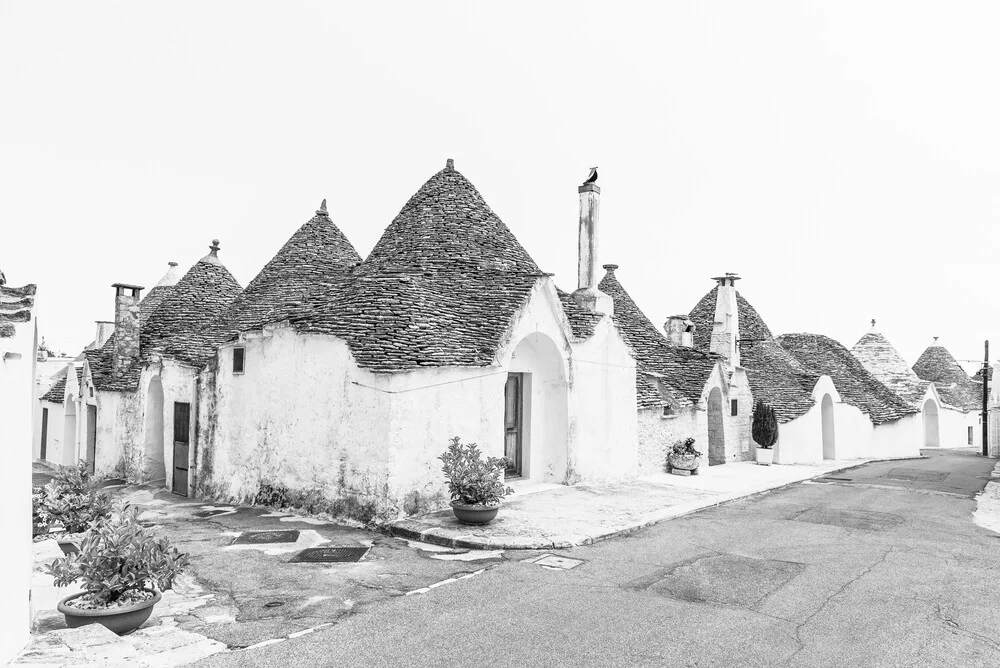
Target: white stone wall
(55,452)
(658,433)
(303,416)
(17,403)
(954,429)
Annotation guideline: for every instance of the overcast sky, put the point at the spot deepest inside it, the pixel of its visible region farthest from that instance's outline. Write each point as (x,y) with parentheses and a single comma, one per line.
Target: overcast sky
(841,156)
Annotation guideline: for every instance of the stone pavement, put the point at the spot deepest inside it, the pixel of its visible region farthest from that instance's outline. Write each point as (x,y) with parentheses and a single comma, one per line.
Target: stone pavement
(545,517)
(987,513)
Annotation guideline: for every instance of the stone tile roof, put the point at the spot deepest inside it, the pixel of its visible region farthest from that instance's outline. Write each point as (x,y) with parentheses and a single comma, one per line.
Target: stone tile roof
(447,225)
(441,287)
(183,325)
(821,355)
(954,386)
(16,305)
(882,360)
(57,393)
(581,320)
(683,371)
(773,373)
(318,252)
(978,376)
(152,301)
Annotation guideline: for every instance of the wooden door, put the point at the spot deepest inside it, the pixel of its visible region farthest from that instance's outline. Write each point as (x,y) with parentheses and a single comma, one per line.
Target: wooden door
(512,422)
(91,437)
(182,442)
(45,431)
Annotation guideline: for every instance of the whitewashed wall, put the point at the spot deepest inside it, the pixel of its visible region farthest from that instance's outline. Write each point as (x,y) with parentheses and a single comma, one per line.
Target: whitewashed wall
(55,434)
(657,433)
(305,417)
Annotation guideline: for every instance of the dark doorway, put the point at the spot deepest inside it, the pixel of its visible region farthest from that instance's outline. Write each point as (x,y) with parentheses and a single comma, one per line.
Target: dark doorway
(45,432)
(182,442)
(91,437)
(513,416)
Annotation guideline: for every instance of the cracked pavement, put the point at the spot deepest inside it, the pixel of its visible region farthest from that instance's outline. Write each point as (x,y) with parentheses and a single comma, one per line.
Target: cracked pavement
(875,566)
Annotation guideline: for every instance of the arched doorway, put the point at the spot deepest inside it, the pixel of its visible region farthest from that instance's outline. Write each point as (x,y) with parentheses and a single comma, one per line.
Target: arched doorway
(69,456)
(536,422)
(153,466)
(932,434)
(716,429)
(829,441)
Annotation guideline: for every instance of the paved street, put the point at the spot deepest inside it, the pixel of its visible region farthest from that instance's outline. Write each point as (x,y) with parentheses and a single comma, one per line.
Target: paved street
(875,566)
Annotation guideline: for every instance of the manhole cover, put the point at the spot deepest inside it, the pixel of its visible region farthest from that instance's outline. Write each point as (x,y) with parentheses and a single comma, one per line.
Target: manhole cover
(260,537)
(916,475)
(274,604)
(326,555)
(562,563)
(210,513)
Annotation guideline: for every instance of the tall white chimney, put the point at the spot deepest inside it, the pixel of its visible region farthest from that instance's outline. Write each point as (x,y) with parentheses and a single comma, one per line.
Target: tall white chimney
(726,329)
(587,293)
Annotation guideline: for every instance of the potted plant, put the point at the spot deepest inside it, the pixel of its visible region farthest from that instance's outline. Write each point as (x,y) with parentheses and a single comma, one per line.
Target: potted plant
(764,431)
(123,569)
(476,485)
(684,456)
(71,502)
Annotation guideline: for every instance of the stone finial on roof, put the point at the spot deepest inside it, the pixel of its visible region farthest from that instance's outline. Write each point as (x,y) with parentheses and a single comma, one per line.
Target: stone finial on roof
(610,268)
(935,341)
(873,323)
(450,165)
(213,255)
(321,211)
(171,277)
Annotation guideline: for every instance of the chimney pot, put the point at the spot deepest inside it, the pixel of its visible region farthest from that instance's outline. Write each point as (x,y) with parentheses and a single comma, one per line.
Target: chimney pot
(726,328)
(587,293)
(680,331)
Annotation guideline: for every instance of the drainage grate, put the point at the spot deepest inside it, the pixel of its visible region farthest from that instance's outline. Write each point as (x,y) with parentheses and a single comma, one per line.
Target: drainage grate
(326,555)
(261,537)
(274,604)
(210,513)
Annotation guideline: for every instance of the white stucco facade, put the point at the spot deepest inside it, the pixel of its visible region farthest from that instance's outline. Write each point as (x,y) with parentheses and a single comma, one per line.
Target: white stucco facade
(833,429)
(18,346)
(304,417)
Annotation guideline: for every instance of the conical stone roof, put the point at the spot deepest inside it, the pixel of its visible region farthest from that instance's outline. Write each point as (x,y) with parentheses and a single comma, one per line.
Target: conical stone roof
(883,361)
(318,253)
(774,375)
(820,355)
(684,371)
(447,225)
(954,386)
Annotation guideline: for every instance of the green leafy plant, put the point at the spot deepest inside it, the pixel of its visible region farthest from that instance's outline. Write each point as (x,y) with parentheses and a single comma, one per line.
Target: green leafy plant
(471,479)
(41,518)
(118,557)
(73,500)
(685,447)
(765,425)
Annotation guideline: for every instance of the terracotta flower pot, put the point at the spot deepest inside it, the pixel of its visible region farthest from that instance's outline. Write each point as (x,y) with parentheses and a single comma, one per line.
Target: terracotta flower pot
(474,514)
(120,620)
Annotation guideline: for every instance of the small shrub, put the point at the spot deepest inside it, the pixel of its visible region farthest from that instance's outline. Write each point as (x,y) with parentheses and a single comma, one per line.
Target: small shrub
(685,447)
(117,557)
(765,425)
(472,480)
(41,517)
(73,500)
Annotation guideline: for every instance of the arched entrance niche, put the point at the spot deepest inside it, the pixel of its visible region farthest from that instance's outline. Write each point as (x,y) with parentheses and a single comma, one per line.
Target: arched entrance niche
(536,418)
(69,456)
(153,466)
(932,434)
(829,441)
(716,429)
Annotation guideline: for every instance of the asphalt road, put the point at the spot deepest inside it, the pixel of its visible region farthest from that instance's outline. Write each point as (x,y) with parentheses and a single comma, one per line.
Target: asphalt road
(879,565)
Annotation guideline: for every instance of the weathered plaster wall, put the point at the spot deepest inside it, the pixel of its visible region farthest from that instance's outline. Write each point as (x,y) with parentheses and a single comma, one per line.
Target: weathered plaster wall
(954,428)
(901,438)
(304,417)
(658,433)
(800,441)
(737,427)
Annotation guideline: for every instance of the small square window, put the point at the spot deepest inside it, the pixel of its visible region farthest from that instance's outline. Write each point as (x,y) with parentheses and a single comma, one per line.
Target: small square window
(238,354)
(735,407)
(668,411)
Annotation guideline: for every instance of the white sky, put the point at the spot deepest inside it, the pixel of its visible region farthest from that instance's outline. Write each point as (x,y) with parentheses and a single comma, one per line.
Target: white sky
(841,156)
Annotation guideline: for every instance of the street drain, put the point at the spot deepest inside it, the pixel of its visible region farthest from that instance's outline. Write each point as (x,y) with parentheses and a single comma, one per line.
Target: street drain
(326,555)
(265,537)
(274,604)
(556,562)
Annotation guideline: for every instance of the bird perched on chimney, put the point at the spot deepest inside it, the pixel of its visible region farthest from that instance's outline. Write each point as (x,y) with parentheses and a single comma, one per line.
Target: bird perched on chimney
(593,175)
(3,279)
